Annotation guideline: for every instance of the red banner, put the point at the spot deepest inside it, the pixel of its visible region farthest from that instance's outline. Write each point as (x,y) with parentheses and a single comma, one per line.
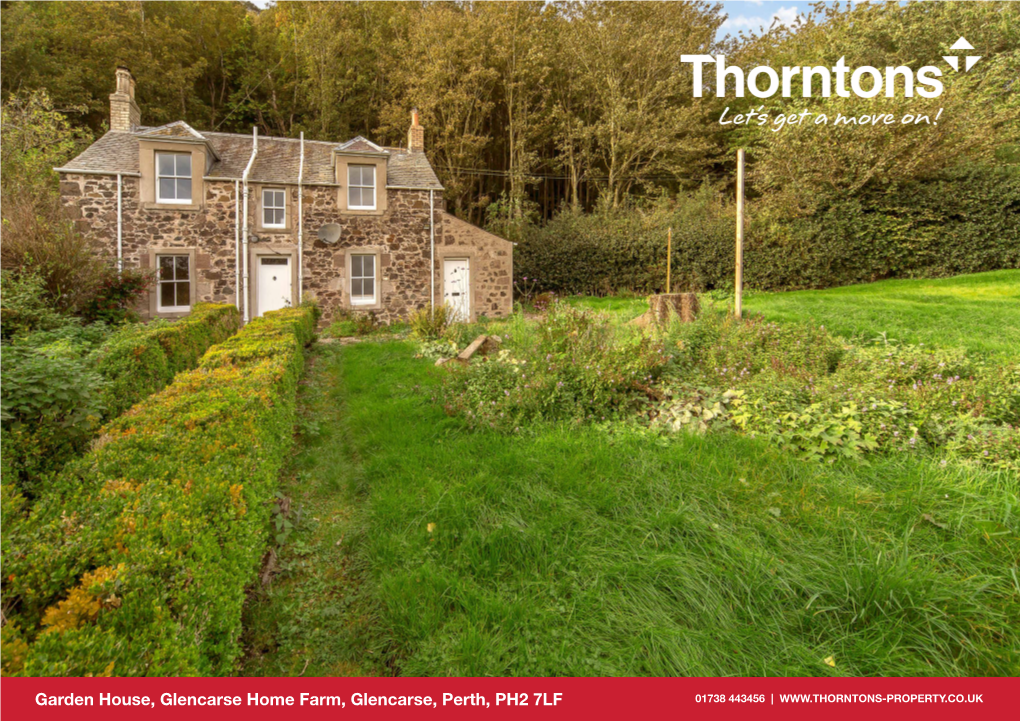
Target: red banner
(619,698)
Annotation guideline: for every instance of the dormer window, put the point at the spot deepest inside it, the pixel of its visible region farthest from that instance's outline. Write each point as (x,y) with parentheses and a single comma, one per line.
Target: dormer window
(274,209)
(361,187)
(173,178)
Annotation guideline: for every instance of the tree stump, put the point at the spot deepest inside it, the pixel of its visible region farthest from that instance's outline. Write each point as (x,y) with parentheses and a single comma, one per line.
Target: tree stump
(684,305)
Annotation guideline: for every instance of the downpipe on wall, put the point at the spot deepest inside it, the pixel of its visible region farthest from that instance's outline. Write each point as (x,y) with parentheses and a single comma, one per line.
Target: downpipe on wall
(120,224)
(432,257)
(300,223)
(244,235)
(237,244)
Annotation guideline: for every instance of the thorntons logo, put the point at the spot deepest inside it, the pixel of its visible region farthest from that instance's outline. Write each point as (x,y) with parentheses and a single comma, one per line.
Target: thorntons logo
(865,82)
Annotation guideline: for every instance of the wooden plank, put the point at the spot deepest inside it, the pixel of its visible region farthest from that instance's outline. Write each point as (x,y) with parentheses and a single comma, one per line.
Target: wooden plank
(465,355)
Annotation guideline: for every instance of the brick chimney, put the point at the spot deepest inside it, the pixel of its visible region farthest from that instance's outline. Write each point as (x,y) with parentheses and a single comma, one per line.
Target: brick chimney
(415,135)
(124,111)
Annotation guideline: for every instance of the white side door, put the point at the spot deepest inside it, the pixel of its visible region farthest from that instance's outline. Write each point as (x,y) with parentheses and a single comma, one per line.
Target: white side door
(457,287)
(274,283)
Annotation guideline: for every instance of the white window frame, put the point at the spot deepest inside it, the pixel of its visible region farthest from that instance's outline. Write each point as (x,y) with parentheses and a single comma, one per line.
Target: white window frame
(350,186)
(175,177)
(282,206)
(161,281)
(365,299)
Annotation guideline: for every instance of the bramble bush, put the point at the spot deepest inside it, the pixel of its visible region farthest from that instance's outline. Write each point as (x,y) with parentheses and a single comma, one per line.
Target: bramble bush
(135,561)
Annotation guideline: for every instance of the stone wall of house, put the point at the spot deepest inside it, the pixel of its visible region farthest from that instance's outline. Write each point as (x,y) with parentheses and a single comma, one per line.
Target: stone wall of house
(400,235)
(491,265)
(91,201)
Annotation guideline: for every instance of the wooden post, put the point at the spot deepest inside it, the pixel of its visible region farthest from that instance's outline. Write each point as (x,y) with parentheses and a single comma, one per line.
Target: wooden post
(669,259)
(739,279)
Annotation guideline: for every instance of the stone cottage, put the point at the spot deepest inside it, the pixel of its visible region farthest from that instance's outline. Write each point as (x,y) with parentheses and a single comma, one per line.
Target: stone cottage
(265,222)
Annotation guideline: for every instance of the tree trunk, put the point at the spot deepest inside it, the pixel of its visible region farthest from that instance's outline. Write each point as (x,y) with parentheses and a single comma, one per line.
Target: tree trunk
(684,305)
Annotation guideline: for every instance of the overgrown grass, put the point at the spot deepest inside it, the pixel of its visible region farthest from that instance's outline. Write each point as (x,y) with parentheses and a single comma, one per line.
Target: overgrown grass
(426,548)
(621,308)
(979,312)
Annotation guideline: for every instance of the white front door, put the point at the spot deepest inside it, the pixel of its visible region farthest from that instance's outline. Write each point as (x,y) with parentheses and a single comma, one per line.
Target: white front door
(457,287)
(274,283)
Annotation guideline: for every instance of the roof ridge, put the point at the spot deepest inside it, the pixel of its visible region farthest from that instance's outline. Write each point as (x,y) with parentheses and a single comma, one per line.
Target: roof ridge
(149,131)
(270,137)
(221,133)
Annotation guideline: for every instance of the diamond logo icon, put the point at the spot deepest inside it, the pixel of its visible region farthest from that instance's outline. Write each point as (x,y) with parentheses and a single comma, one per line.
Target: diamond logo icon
(954,60)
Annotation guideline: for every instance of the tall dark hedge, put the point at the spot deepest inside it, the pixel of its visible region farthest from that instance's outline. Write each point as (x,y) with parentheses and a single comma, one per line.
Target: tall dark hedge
(965,221)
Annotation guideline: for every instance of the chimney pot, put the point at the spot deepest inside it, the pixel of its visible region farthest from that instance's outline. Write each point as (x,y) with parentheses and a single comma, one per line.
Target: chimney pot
(124,111)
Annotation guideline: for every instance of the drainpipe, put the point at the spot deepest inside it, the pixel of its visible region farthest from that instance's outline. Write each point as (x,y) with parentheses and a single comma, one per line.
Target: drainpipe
(432,257)
(120,225)
(300,222)
(244,235)
(237,244)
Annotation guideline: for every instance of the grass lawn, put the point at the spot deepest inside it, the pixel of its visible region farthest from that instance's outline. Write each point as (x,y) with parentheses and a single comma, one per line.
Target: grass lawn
(979,312)
(424,548)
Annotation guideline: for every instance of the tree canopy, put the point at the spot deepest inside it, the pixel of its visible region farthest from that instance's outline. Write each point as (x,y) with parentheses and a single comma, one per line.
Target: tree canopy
(533,104)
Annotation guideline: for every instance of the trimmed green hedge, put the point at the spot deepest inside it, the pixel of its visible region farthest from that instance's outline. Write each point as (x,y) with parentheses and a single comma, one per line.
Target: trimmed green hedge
(965,221)
(138,365)
(56,398)
(136,562)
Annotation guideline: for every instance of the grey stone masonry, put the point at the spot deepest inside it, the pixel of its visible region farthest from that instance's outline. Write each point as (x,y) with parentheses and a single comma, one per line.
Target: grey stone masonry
(399,237)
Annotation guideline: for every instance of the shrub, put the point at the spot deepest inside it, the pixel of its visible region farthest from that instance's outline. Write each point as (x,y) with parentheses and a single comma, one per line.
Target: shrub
(808,393)
(793,384)
(116,296)
(145,546)
(365,323)
(51,406)
(24,307)
(542,302)
(38,238)
(430,324)
(614,250)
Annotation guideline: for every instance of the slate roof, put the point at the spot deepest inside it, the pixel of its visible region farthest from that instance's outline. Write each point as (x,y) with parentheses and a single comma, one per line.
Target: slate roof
(278,160)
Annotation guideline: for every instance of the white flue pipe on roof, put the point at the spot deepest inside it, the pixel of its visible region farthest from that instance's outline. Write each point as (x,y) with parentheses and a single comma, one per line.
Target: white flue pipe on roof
(244,181)
(300,222)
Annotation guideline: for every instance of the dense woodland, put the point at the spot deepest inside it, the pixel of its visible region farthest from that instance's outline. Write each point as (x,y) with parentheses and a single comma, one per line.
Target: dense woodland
(537,110)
